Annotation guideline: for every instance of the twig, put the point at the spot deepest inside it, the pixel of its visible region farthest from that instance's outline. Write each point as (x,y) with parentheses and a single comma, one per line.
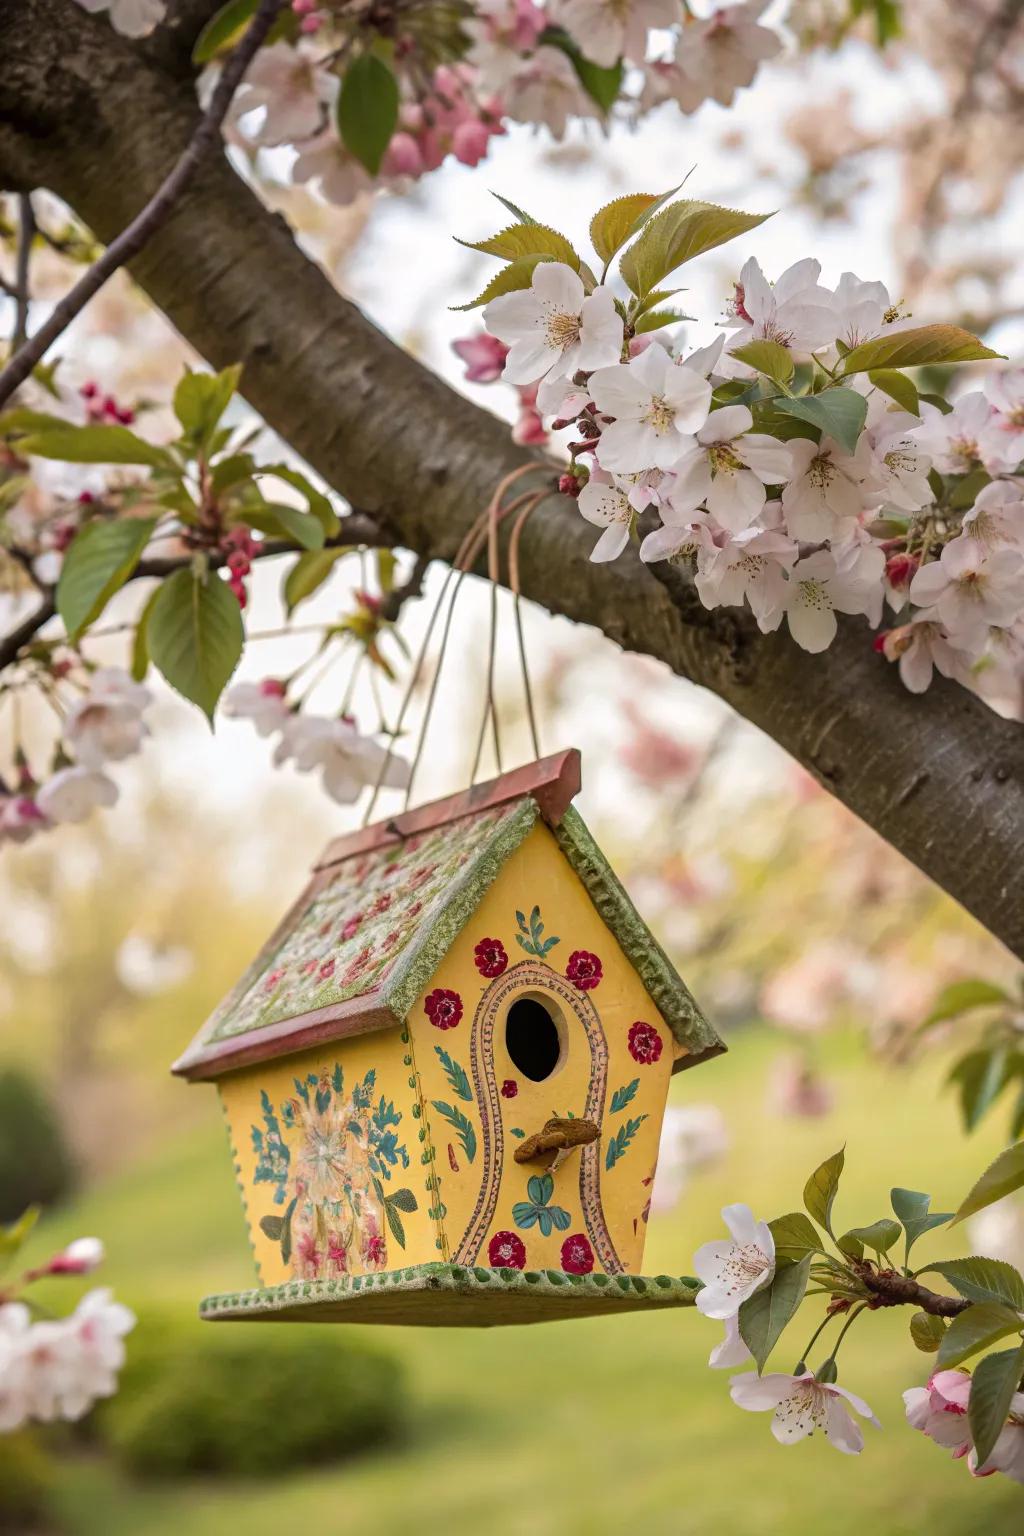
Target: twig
(131,240)
(394,601)
(22,293)
(888,1288)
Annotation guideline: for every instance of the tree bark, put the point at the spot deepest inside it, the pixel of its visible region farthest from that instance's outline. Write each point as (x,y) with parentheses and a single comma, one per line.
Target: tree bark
(99,121)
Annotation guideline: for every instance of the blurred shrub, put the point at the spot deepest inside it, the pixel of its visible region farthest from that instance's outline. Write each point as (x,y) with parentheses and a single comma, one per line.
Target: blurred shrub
(248,1399)
(36,1167)
(24,1481)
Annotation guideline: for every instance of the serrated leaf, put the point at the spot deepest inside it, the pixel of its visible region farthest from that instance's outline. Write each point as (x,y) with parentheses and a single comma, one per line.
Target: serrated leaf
(196,636)
(980,1077)
(769,358)
(927,1331)
(622,218)
(624,1096)
(309,573)
(676,235)
(898,387)
(518,274)
(794,1236)
(463,1128)
(983,1280)
(993,1384)
(98,562)
(961,997)
(367,109)
(820,1189)
(283,522)
(516,212)
(1004,1175)
(763,1316)
(879,1236)
(94,445)
(201,399)
(915,348)
(519,240)
(839,413)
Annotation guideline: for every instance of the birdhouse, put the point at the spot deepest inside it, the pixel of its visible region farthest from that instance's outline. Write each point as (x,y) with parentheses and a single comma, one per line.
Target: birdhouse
(445,1074)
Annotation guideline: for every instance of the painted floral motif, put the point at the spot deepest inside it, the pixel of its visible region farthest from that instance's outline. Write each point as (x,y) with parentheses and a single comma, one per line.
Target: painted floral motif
(577,1255)
(509,1088)
(490,957)
(644,1043)
(506,1251)
(535,1209)
(584,970)
(328,1155)
(531,935)
(357,928)
(443,1008)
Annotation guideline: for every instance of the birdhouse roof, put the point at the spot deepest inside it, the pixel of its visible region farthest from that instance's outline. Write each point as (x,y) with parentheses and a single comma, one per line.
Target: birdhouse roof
(384,905)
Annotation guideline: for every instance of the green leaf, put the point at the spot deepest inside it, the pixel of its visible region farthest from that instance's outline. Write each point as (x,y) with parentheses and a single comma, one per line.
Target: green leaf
(281,521)
(911,1206)
(601,82)
(914,348)
(367,112)
(395,1223)
(624,1096)
(763,1316)
(980,1077)
(272,1227)
(794,1236)
(231,471)
(961,997)
(820,1189)
(840,413)
(540,1187)
(309,572)
(927,1331)
(770,419)
(223,29)
(518,274)
(196,636)
(140,640)
(403,1199)
(201,399)
(456,1074)
(94,445)
(1017,1121)
(984,1280)
(1000,1178)
(462,1127)
(654,319)
(516,212)
(622,218)
(286,1234)
(316,501)
(14,1236)
(769,358)
(520,240)
(676,235)
(898,387)
(99,560)
(879,1236)
(619,1143)
(995,1380)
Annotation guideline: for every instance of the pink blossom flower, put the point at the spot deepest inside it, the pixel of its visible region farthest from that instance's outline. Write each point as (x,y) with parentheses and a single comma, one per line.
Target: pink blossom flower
(801,1405)
(106,725)
(1007,1455)
(732,1351)
(607,31)
(720,55)
(728,468)
(78,1258)
(657,404)
(554,326)
(1002,441)
(795,311)
(484,356)
(971,586)
(263,703)
(74,793)
(920,647)
(287,85)
(939,1410)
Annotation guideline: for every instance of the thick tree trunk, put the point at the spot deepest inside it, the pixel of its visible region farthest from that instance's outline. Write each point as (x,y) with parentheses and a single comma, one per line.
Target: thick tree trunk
(99,121)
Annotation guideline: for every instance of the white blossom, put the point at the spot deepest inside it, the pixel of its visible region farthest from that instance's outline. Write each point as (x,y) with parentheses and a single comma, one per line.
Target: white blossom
(863,310)
(953,439)
(656,402)
(732,1271)
(608,30)
(731,1351)
(106,725)
(263,703)
(683,536)
(898,473)
(824,487)
(971,586)
(728,466)
(721,54)
(605,502)
(554,326)
(1002,441)
(795,311)
(815,591)
(346,760)
(921,647)
(752,565)
(132,18)
(801,1405)
(285,82)
(546,89)
(997,516)
(74,793)
(325,162)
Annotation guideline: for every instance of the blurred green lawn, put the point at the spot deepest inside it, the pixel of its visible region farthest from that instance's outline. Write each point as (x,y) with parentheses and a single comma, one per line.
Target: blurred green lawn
(595,1426)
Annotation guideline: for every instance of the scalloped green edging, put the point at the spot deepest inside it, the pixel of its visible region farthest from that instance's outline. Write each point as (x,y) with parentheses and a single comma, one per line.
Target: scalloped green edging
(451,1296)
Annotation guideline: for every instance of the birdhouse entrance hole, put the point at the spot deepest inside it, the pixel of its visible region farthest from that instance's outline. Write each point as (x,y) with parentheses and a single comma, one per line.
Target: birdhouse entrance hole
(534,1037)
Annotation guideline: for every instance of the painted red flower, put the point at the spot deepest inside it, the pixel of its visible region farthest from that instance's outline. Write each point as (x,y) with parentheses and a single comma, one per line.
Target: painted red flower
(381,904)
(490,956)
(376,1249)
(350,926)
(584,970)
(509,1088)
(577,1255)
(506,1250)
(273,979)
(644,1043)
(443,1008)
(327,969)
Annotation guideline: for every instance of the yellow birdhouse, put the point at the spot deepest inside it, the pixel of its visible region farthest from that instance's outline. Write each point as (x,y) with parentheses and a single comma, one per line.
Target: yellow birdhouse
(445,1074)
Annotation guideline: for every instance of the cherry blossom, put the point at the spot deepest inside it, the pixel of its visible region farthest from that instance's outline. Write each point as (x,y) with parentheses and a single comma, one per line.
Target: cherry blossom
(132,18)
(285,83)
(1003,439)
(971,586)
(74,793)
(263,703)
(554,327)
(1007,1455)
(347,761)
(997,516)
(728,467)
(323,161)
(78,1258)
(605,502)
(607,30)
(953,439)
(921,647)
(732,1271)
(731,1351)
(545,88)
(824,487)
(898,474)
(720,55)
(801,1405)
(483,355)
(106,725)
(656,403)
(939,1410)
(751,565)
(816,589)
(58,1368)
(795,311)
(863,310)
(683,536)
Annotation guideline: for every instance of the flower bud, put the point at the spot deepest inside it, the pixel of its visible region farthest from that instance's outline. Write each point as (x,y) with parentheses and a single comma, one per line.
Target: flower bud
(78,1258)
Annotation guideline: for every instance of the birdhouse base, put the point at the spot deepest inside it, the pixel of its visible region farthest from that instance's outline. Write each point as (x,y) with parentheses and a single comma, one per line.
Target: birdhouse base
(451,1296)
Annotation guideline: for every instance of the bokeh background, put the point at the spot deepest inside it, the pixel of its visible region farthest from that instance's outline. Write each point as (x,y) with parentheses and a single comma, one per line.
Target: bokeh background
(817,951)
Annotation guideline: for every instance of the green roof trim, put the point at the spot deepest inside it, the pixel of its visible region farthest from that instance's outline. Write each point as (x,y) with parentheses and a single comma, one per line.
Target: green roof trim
(452,1295)
(669,993)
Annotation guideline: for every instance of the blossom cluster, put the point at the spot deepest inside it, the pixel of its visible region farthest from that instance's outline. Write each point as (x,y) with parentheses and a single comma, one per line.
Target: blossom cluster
(57,1368)
(454,82)
(794,467)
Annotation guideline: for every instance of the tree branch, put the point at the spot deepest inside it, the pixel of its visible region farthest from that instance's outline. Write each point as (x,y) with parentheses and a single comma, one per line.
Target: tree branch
(891,1289)
(940,776)
(127,245)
